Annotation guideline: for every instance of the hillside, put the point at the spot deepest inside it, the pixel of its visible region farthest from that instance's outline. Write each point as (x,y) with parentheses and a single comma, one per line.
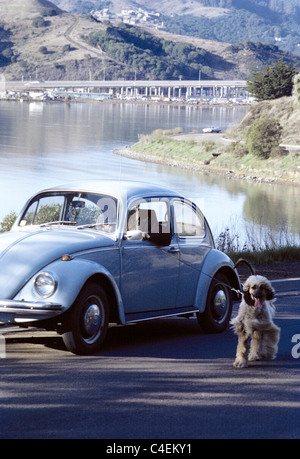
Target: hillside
(232,21)
(285,109)
(24,8)
(40,41)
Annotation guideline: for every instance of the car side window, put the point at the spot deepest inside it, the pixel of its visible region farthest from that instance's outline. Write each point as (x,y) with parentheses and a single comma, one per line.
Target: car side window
(151,216)
(188,222)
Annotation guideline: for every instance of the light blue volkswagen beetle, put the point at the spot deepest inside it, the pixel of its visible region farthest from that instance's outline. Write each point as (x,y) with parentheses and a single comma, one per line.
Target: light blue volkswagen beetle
(80,257)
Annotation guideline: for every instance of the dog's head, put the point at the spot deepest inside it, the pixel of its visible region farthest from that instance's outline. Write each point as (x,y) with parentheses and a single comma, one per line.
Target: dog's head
(256,290)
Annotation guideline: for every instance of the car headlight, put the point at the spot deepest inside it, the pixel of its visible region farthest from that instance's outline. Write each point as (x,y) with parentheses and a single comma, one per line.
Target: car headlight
(45,285)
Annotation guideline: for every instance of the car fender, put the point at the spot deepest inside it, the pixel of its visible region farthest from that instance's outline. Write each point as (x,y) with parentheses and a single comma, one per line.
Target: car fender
(71,276)
(215,262)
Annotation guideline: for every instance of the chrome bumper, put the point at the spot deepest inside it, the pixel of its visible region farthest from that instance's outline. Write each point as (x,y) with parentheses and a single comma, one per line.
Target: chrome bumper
(12,311)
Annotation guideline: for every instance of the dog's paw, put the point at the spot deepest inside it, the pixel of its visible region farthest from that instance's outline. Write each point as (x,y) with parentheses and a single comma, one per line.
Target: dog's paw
(240,363)
(268,356)
(253,357)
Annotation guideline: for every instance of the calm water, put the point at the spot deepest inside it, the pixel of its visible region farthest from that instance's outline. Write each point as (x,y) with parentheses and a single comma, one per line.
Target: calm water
(42,145)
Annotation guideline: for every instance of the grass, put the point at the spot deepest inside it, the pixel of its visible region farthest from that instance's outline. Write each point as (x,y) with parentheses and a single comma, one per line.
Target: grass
(268,256)
(162,146)
(262,247)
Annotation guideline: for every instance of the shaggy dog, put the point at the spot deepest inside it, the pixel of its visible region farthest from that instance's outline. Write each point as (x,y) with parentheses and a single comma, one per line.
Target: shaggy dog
(254,321)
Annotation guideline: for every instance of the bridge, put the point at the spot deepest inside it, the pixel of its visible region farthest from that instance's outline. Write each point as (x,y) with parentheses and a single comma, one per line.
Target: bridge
(140,88)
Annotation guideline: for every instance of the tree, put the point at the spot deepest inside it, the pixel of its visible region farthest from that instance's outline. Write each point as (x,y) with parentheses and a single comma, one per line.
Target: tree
(150,56)
(273,82)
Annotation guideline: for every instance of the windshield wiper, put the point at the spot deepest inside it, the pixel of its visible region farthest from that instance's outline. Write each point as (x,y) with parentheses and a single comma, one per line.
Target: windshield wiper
(58,222)
(87,225)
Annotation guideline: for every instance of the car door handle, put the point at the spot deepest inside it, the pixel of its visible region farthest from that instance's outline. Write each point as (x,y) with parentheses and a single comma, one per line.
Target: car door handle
(173,249)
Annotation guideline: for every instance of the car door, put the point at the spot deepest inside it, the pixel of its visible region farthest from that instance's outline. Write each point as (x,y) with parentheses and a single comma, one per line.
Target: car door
(191,230)
(150,266)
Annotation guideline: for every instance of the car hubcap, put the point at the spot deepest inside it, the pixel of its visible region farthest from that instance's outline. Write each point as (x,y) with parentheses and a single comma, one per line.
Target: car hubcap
(220,305)
(92,321)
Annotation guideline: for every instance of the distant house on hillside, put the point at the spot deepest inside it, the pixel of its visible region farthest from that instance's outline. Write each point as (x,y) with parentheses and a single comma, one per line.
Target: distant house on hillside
(103,15)
(134,16)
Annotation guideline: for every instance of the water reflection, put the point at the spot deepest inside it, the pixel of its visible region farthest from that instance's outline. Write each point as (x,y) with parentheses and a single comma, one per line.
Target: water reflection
(43,145)
(274,206)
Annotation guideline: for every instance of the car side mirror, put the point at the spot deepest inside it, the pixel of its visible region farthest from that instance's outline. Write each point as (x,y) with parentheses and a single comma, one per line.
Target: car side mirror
(134,235)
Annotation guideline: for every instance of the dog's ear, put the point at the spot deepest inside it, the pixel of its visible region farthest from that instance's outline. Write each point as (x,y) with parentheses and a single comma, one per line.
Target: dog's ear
(246,285)
(270,292)
(251,280)
(267,286)
(247,296)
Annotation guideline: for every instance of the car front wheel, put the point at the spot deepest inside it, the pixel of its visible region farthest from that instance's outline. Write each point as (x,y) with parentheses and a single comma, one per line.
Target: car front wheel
(218,308)
(88,321)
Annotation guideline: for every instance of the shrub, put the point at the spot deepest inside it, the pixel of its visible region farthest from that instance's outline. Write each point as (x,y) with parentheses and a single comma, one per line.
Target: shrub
(297,86)
(23,64)
(49,12)
(263,137)
(237,149)
(158,133)
(8,222)
(8,54)
(67,48)
(39,22)
(43,49)
(209,146)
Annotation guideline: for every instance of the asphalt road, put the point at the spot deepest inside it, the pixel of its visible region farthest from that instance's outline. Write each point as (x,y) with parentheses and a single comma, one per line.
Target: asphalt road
(159,380)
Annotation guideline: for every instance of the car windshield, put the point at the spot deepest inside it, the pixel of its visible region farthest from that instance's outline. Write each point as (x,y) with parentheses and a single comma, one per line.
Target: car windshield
(81,210)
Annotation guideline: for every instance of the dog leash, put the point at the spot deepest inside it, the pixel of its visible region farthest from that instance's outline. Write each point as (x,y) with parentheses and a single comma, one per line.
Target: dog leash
(238,292)
(240,260)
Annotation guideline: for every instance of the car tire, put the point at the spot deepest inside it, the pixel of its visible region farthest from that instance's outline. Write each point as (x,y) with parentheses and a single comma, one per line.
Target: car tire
(87,321)
(218,308)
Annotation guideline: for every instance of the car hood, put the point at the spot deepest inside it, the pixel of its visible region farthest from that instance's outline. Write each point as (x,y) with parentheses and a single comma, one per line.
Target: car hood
(23,253)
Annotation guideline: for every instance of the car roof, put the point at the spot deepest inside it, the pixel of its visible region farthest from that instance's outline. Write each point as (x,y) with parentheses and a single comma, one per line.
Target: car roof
(119,188)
